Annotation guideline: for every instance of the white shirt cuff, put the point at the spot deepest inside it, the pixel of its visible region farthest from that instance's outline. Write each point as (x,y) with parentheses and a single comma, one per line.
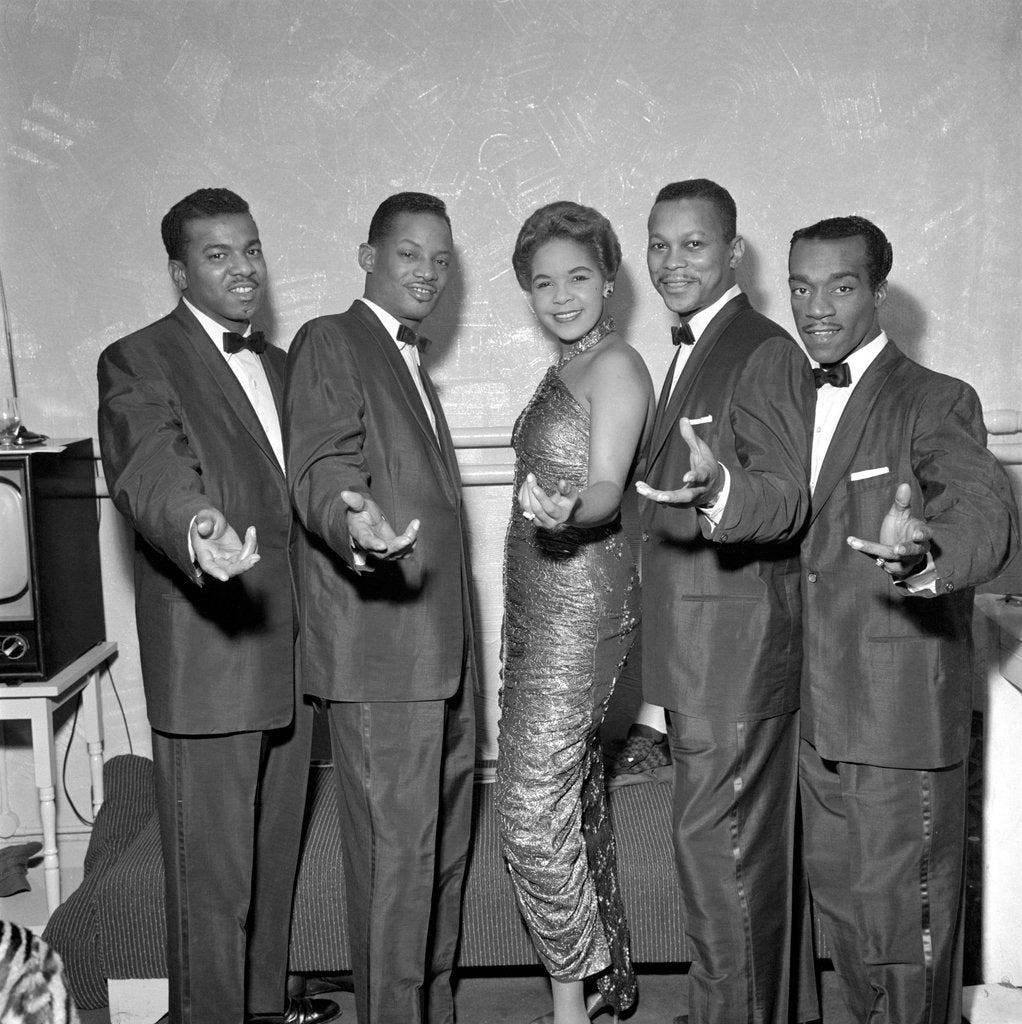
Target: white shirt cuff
(358,558)
(715,512)
(922,582)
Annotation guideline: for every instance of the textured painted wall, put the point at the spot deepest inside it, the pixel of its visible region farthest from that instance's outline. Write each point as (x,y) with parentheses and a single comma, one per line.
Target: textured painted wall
(905,111)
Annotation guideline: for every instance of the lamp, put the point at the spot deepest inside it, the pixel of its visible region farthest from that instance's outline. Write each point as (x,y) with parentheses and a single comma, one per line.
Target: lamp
(21,437)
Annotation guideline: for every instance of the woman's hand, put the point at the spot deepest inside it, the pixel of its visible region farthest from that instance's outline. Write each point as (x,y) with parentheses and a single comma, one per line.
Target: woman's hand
(548,510)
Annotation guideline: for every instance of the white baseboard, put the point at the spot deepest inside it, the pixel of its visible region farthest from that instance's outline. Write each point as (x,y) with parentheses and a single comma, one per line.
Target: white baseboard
(992,1004)
(137,1000)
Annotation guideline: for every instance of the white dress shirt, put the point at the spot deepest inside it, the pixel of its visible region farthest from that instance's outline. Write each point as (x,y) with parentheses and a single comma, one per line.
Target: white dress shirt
(698,323)
(409,353)
(248,368)
(831,402)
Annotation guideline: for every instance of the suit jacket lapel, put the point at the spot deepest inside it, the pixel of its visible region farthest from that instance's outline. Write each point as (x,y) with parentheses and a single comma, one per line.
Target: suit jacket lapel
(452,482)
(851,426)
(660,416)
(276,381)
(233,392)
(664,425)
(407,392)
(399,368)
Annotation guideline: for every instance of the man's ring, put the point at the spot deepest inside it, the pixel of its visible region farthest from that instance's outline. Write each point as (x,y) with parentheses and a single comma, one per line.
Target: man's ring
(880,563)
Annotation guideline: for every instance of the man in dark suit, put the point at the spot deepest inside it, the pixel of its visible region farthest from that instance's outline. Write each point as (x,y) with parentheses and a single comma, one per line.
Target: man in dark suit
(888,674)
(385,616)
(721,646)
(190,435)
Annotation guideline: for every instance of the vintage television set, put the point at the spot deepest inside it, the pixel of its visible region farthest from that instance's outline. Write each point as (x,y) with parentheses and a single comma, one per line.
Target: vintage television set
(51,597)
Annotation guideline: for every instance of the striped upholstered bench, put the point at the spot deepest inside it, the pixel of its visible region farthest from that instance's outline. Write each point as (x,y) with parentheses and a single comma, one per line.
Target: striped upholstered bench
(111,930)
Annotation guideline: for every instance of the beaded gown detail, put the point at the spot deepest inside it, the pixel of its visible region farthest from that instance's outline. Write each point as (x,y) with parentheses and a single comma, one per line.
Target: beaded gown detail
(571,605)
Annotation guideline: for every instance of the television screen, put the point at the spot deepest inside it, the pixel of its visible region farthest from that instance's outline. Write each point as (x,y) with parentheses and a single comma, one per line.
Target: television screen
(14,564)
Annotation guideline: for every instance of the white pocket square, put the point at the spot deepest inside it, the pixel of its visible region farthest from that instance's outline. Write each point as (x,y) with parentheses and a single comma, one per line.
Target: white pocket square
(865,474)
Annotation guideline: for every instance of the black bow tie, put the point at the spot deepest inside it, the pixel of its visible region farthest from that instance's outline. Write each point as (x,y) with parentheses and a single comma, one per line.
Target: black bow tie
(836,376)
(408,337)
(682,335)
(233,342)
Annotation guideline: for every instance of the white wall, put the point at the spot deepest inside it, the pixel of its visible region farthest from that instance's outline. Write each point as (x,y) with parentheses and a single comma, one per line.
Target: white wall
(905,111)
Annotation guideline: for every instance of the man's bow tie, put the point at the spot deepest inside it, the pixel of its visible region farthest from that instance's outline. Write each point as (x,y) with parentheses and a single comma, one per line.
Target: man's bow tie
(682,335)
(408,337)
(836,376)
(233,342)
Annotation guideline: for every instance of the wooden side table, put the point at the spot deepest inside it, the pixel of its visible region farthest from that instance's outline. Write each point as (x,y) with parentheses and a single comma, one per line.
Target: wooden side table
(36,701)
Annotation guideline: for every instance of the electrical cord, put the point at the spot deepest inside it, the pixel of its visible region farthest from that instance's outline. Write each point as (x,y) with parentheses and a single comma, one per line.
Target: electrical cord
(63,770)
(70,739)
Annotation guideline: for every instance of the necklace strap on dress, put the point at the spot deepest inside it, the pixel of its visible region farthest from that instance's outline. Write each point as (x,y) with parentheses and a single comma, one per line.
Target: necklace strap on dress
(587,341)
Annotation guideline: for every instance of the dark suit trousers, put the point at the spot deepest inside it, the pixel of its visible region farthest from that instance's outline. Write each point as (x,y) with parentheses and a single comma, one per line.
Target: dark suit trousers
(885,852)
(230,811)
(404,775)
(734,825)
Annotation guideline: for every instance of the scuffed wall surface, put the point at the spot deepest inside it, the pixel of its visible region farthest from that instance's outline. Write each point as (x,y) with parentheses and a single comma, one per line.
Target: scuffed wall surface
(904,111)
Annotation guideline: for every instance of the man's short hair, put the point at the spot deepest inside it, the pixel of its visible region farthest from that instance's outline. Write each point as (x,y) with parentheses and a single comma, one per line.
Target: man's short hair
(565,219)
(404,202)
(200,205)
(703,188)
(879,254)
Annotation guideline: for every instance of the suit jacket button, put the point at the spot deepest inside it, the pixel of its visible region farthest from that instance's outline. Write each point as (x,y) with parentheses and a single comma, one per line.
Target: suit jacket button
(811,577)
(645,537)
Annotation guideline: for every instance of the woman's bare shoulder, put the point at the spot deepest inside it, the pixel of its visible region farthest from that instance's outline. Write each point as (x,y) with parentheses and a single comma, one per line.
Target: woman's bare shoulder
(616,357)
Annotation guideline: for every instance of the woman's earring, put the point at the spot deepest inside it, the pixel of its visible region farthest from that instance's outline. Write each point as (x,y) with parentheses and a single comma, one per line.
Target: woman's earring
(608,290)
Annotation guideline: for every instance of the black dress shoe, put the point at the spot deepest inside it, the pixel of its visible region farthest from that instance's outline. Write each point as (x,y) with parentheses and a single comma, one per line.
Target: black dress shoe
(310,1011)
(299,1011)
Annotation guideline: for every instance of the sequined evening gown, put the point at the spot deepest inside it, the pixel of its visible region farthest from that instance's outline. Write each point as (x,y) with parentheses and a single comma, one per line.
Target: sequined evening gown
(571,604)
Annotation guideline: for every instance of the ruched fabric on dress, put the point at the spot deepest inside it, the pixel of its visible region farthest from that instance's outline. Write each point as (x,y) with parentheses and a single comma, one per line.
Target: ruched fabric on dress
(571,608)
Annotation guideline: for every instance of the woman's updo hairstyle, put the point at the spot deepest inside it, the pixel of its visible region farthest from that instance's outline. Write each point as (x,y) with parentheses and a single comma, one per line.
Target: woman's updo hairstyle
(565,219)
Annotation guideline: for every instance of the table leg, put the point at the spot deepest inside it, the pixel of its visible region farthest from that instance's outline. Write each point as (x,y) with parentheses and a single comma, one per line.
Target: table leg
(9,821)
(45,757)
(92,713)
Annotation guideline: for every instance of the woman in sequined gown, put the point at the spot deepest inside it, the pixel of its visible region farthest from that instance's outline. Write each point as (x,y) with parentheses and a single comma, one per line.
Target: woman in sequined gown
(571,604)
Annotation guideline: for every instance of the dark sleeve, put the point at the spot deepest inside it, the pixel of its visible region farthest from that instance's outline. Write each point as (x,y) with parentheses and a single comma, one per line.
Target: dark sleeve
(324,431)
(153,476)
(771,418)
(965,494)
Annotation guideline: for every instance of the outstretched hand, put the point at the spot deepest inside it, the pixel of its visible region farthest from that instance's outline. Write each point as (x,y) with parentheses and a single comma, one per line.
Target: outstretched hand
(548,510)
(371,533)
(904,538)
(701,484)
(219,552)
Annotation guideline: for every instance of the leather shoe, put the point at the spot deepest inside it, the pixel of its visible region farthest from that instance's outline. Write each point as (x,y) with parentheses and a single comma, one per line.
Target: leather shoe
(645,757)
(299,1011)
(311,1011)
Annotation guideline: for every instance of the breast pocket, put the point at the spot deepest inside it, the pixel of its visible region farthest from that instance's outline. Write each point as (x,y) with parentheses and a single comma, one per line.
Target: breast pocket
(870,498)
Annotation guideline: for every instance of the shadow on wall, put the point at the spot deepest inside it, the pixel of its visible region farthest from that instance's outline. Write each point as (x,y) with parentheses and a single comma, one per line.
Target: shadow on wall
(904,319)
(443,323)
(622,304)
(750,274)
(118,557)
(266,318)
